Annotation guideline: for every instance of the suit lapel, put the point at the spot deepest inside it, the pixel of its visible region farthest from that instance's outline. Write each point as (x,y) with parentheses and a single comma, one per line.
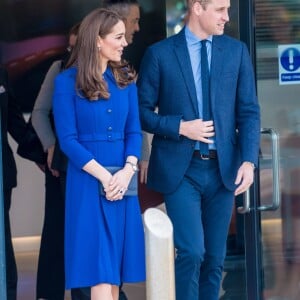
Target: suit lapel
(217,58)
(183,59)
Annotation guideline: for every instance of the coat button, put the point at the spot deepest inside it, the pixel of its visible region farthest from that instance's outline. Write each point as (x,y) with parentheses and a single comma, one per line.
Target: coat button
(109,110)
(109,128)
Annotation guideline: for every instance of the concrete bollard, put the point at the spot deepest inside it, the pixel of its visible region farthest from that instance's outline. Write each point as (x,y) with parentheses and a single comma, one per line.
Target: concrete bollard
(160,283)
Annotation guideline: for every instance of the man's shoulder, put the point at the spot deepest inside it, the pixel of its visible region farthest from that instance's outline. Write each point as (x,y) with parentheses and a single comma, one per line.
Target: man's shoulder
(227,40)
(165,45)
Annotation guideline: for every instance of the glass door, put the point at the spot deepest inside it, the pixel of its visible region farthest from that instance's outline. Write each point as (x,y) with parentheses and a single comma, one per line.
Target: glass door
(263,257)
(278,35)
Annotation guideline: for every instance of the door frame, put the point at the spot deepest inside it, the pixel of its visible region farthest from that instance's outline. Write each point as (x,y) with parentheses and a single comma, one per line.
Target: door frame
(252,224)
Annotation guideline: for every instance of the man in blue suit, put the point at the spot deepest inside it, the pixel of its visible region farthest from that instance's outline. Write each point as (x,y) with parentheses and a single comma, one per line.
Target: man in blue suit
(199,187)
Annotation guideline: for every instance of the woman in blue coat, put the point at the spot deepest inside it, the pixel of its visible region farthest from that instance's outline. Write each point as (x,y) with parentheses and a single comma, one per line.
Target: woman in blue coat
(97,122)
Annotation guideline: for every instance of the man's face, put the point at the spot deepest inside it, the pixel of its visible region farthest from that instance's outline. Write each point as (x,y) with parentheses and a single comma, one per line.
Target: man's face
(132,23)
(213,16)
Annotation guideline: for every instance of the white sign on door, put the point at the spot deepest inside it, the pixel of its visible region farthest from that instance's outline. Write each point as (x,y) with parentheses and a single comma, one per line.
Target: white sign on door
(289,64)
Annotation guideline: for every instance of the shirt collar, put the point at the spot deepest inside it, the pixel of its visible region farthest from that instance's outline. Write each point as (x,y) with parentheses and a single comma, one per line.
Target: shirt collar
(192,39)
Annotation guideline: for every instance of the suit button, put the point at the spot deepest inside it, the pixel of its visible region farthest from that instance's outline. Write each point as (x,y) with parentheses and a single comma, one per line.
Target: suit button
(109,128)
(109,110)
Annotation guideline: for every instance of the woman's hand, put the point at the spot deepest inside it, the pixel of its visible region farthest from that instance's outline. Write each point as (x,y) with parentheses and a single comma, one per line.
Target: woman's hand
(118,184)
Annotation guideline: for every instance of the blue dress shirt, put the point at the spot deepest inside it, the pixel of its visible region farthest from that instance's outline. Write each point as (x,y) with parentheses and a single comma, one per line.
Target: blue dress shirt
(194,48)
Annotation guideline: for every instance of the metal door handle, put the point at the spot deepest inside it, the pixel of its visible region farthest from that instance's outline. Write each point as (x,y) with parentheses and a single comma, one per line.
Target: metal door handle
(275,171)
(276,178)
(246,204)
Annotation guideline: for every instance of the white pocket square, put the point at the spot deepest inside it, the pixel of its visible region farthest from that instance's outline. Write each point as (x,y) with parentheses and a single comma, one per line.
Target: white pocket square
(2,89)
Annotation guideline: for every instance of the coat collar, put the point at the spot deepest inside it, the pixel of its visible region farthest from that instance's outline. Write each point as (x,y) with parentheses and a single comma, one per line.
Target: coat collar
(182,54)
(217,62)
(217,59)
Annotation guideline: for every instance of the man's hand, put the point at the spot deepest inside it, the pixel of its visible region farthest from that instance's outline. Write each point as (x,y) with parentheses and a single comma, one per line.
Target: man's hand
(197,130)
(50,152)
(143,166)
(244,177)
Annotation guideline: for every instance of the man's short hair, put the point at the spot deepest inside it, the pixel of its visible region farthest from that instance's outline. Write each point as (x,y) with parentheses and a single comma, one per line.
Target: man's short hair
(202,2)
(121,7)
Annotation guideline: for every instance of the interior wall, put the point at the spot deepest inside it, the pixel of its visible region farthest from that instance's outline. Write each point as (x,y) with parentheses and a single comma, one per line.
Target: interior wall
(27,207)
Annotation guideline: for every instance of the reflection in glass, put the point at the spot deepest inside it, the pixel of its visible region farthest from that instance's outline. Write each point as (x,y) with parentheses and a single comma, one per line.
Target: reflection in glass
(278,23)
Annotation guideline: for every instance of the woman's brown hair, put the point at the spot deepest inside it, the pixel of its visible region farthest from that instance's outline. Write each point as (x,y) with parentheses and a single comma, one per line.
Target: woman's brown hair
(85,56)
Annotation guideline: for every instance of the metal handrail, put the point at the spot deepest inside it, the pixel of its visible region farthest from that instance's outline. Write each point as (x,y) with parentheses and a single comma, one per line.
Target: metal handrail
(276,171)
(246,203)
(276,178)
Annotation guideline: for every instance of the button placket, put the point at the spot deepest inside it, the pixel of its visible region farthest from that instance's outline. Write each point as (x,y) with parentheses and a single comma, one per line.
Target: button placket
(109,128)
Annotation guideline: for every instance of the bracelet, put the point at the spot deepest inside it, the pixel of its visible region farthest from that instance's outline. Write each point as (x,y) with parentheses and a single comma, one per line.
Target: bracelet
(134,166)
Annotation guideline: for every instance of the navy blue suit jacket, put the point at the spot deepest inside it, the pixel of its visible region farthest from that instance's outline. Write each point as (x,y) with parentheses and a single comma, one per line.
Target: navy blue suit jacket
(166,81)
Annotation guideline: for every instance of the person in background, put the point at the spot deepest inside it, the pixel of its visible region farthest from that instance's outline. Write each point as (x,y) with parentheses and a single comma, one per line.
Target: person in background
(206,138)
(130,11)
(12,122)
(50,274)
(97,122)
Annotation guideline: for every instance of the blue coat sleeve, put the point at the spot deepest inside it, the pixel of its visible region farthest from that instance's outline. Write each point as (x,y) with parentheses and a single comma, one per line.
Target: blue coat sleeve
(65,120)
(247,110)
(151,88)
(133,135)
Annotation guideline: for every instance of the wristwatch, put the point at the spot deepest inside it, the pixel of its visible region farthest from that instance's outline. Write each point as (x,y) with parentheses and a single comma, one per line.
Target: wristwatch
(135,167)
(251,164)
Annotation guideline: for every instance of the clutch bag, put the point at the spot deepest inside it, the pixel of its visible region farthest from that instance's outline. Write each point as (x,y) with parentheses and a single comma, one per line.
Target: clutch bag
(132,189)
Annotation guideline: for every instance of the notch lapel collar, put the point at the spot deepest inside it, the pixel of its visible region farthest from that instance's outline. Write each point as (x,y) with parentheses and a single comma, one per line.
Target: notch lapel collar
(217,58)
(183,59)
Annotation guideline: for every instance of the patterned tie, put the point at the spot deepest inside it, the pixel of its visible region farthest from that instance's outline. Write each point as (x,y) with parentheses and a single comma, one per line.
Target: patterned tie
(205,91)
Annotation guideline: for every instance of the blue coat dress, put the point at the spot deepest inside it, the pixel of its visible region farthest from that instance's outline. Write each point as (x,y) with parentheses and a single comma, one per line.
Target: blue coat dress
(104,240)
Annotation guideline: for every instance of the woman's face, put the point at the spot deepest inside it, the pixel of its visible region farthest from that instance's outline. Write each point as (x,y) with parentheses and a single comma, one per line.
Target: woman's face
(112,45)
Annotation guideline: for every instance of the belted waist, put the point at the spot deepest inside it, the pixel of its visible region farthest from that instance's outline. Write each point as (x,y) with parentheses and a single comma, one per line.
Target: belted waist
(212,154)
(109,136)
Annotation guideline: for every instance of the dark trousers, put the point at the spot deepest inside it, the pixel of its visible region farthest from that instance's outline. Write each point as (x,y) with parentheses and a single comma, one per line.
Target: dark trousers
(11,267)
(200,210)
(50,275)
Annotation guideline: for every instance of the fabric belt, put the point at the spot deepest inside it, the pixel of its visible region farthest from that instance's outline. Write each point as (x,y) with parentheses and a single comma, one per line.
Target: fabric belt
(109,136)
(211,155)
